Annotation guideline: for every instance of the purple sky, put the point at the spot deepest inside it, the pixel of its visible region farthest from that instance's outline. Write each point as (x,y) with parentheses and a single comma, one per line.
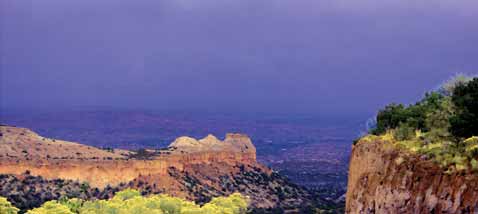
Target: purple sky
(284,56)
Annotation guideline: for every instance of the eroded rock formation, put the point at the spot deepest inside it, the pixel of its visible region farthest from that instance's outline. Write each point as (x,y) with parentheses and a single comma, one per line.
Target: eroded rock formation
(189,168)
(23,150)
(384,180)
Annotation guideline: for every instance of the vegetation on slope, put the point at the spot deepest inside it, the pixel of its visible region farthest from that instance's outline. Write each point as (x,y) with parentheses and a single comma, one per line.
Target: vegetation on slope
(6,207)
(442,126)
(27,191)
(131,201)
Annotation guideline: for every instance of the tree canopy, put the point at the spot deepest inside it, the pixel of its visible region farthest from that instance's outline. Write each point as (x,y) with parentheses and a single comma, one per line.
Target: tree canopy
(443,126)
(464,123)
(451,111)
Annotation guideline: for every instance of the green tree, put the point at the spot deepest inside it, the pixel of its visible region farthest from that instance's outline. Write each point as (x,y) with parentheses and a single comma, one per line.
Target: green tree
(437,121)
(412,117)
(390,118)
(464,123)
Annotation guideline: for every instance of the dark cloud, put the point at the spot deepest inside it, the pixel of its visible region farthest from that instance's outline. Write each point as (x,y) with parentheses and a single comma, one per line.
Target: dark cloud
(301,56)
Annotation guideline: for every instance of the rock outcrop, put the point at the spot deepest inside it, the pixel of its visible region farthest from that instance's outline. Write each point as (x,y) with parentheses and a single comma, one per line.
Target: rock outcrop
(23,150)
(188,168)
(383,179)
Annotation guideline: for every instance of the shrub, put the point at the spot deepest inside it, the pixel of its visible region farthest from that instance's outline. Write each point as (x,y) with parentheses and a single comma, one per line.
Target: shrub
(471,147)
(126,194)
(51,207)
(414,146)
(404,132)
(131,202)
(73,204)
(235,203)
(460,162)
(474,164)
(471,141)
(6,207)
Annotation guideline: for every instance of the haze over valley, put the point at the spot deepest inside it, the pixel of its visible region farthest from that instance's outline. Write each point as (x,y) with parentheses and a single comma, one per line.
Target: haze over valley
(311,151)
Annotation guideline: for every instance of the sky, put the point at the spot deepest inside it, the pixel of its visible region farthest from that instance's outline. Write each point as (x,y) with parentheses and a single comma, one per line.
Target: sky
(328,57)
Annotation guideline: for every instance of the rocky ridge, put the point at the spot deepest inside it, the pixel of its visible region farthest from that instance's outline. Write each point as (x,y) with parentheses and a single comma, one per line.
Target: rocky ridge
(189,168)
(22,150)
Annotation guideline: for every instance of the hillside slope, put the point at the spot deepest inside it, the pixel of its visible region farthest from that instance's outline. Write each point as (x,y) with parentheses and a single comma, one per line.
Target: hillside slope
(21,143)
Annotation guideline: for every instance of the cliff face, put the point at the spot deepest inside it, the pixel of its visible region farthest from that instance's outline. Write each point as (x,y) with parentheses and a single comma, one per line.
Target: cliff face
(383,179)
(189,168)
(22,150)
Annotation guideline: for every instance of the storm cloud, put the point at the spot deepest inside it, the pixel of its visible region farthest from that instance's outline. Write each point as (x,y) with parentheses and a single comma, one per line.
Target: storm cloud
(300,56)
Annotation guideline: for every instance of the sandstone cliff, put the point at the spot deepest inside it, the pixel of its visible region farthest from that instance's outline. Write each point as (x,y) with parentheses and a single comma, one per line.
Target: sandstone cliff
(383,179)
(188,168)
(22,150)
